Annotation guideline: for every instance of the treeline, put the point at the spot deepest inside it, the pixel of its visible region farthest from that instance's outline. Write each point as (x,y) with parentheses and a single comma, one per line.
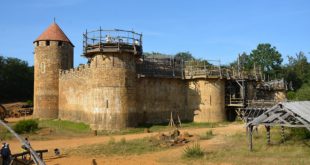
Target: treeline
(296,72)
(16,80)
(270,61)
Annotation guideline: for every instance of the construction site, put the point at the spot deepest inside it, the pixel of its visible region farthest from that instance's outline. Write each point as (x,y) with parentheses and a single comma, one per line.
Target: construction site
(120,88)
(122,99)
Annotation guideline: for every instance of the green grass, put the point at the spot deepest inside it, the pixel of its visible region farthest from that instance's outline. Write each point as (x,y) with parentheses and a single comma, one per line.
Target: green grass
(70,129)
(235,151)
(65,127)
(122,147)
(193,151)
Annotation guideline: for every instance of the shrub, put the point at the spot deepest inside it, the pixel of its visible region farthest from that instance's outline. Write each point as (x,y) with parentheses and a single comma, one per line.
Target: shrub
(194,151)
(291,95)
(26,126)
(300,133)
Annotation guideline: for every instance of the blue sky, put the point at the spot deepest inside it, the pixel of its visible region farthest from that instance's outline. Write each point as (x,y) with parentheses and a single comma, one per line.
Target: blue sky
(208,29)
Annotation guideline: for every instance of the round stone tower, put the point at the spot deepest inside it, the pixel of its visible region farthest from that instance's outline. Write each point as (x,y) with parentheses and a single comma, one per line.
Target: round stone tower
(112,56)
(53,51)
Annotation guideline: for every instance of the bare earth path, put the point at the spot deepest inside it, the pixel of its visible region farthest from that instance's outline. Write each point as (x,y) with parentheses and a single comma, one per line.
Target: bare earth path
(164,157)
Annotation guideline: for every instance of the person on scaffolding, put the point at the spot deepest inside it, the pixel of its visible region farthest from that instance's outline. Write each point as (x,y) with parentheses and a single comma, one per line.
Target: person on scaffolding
(5,154)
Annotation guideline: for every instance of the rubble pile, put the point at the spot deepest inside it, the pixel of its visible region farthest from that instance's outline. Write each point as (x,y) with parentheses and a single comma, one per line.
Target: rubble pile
(173,138)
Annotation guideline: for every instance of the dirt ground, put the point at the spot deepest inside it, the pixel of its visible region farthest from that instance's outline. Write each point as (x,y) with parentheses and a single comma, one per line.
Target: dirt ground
(170,156)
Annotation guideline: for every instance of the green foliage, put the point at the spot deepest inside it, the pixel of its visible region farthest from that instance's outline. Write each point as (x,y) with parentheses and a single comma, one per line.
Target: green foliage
(193,151)
(156,55)
(26,126)
(267,57)
(300,133)
(245,62)
(16,79)
(291,95)
(303,93)
(298,70)
(186,56)
(65,127)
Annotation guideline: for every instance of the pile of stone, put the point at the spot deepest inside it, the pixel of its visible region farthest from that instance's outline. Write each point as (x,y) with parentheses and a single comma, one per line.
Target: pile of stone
(173,138)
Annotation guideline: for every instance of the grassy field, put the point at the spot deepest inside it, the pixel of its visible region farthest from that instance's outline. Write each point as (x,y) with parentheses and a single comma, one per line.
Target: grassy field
(65,127)
(49,129)
(293,151)
(122,147)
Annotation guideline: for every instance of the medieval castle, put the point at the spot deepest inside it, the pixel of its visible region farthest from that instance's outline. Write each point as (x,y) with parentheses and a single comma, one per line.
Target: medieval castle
(119,87)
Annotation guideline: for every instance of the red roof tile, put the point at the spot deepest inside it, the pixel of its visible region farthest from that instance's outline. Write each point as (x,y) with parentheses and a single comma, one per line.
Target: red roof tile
(53,33)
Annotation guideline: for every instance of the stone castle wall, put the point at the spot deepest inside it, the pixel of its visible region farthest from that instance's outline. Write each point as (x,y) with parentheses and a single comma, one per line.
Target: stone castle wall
(101,94)
(108,100)
(158,97)
(206,98)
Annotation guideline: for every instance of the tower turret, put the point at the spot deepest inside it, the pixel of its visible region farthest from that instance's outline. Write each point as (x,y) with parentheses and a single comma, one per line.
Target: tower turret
(52,51)
(112,56)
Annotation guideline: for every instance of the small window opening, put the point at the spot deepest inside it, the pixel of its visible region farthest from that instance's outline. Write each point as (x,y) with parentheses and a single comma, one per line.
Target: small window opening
(47,43)
(210,100)
(107,103)
(60,43)
(37,43)
(42,67)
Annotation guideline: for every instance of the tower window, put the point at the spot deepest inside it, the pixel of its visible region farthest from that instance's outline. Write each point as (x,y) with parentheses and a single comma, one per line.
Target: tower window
(37,43)
(60,43)
(42,67)
(47,43)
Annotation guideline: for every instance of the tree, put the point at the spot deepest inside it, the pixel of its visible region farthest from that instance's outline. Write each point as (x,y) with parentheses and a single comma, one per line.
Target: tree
(245,62)
(268,58)
(186,56)
(300,66)
(16,79)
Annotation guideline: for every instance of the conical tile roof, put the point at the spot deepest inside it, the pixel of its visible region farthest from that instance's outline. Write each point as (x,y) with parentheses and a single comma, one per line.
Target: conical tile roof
(53,33)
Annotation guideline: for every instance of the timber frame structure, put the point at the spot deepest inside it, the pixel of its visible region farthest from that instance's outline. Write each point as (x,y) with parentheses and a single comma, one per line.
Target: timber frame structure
(286,114)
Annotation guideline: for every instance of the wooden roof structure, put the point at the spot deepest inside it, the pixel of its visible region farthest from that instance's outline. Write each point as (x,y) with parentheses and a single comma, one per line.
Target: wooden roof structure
(287,114)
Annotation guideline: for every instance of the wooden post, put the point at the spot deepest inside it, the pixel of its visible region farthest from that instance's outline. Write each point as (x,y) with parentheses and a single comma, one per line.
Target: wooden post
(282,134)
(268,134)
(171,122)
(179,120)
(100,38)
(250,137)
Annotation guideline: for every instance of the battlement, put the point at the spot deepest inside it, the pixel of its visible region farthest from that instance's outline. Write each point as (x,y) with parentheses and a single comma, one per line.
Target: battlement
(74,72)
